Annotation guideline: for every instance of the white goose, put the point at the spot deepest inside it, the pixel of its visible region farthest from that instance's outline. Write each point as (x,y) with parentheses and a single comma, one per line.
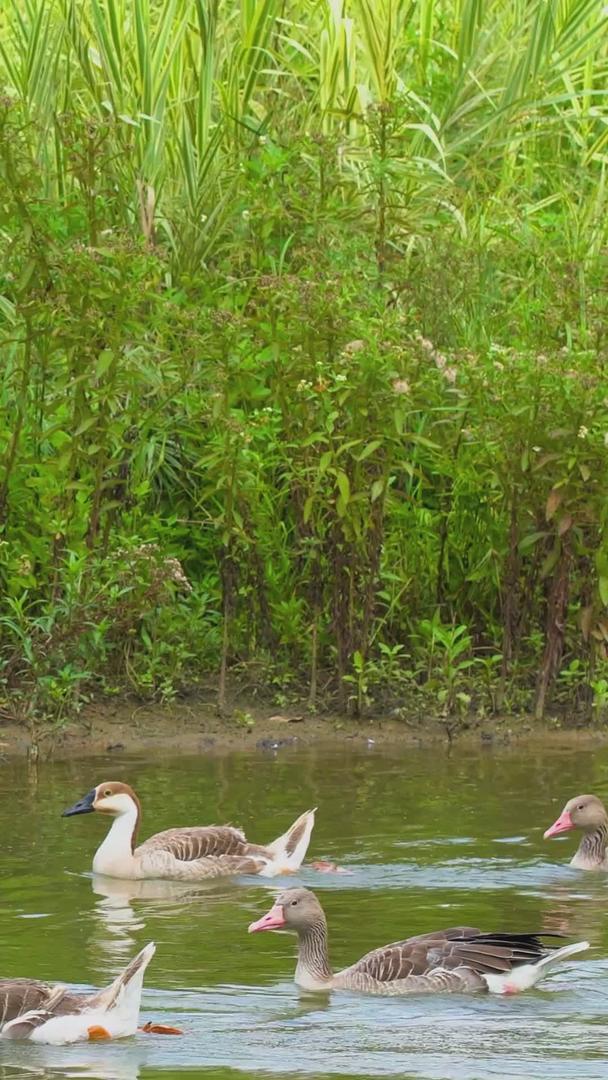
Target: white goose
(189,854)
(41,1013)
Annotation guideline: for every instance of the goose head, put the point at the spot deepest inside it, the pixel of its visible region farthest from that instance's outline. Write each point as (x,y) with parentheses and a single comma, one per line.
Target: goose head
(110,797)
(294,909)
(584,812)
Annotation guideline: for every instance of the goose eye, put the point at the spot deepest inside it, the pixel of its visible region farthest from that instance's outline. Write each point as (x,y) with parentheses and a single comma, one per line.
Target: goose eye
(580,807)
(107,793)
(293,903)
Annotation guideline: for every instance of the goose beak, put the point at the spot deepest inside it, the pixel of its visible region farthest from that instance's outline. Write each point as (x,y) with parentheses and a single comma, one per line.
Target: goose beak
(563,824)
(273,920)
(83,806)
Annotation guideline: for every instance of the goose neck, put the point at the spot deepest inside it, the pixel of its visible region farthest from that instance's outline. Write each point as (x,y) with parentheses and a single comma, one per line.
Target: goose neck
(115,854)
(592,848)
(314,970)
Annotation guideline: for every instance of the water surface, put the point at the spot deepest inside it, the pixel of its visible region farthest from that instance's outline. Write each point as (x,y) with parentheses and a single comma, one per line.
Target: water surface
(432,839)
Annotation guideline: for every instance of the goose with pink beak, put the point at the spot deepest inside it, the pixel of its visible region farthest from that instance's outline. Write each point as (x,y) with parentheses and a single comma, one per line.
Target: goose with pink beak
(458,959)
(587,813)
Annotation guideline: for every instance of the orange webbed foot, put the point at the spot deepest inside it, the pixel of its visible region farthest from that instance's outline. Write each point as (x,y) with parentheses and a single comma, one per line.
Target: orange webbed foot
(96,1033)
(160,1029)
(325,867)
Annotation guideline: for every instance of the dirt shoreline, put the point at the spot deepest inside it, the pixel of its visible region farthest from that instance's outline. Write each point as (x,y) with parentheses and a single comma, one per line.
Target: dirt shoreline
(195,728)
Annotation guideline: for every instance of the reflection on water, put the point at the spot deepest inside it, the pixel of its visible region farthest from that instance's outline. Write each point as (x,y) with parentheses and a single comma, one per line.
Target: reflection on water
(178,899)
(122,919)
(51,1062)
(431,840)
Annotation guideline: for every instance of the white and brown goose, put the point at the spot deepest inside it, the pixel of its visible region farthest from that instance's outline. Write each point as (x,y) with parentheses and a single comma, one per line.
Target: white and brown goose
(188,854)
(588,813)
(458,959)
(42,1013)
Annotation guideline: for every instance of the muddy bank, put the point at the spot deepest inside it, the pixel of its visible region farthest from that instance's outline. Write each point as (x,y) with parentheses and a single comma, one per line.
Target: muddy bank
(195,728)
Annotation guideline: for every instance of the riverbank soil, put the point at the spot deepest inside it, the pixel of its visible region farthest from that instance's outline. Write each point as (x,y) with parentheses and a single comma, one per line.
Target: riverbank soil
(195,727)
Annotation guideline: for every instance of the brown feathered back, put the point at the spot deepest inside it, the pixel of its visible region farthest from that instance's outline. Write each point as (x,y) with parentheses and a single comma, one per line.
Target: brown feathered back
(200,842)
(462,946)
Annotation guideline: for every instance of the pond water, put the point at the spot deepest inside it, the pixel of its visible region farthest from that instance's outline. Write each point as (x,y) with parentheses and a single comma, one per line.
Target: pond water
(432,839)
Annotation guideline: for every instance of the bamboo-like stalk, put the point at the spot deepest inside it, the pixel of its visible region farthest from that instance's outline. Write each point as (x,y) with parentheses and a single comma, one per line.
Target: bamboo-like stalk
(172,76)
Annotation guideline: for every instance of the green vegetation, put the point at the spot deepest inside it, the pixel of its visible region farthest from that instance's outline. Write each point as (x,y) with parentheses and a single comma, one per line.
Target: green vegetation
(303,335)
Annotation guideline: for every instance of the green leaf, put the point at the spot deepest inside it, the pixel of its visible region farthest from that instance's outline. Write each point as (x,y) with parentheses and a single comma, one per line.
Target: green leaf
(104,361)
(317,436)
(344,487)
(421,440)
(369,449)
(85,425)
(551,561)
(26,275)
(530,540)
(601,561)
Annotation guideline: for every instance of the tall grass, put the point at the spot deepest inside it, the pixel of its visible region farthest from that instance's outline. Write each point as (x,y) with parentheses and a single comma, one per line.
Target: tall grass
(313,300)
(497,98)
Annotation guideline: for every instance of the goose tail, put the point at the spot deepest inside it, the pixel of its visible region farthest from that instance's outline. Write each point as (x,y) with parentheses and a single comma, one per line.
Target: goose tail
(288,851)
(561,954)
(124,994)
(527,975)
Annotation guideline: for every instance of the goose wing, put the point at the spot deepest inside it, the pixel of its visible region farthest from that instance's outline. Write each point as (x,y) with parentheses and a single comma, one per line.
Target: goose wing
(489,953)
(402,959)
(458,947)
(21,996)
(201,842)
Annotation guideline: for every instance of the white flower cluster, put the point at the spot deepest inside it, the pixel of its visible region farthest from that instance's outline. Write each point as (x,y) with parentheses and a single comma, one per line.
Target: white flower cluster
(448,371)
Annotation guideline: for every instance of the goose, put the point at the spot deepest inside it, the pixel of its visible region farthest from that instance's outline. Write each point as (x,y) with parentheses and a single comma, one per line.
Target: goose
(42,1013)
(190,854)
(457,959)
(588,813)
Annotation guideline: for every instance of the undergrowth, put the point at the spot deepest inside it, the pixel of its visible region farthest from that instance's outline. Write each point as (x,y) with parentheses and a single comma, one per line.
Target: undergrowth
(303,356)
